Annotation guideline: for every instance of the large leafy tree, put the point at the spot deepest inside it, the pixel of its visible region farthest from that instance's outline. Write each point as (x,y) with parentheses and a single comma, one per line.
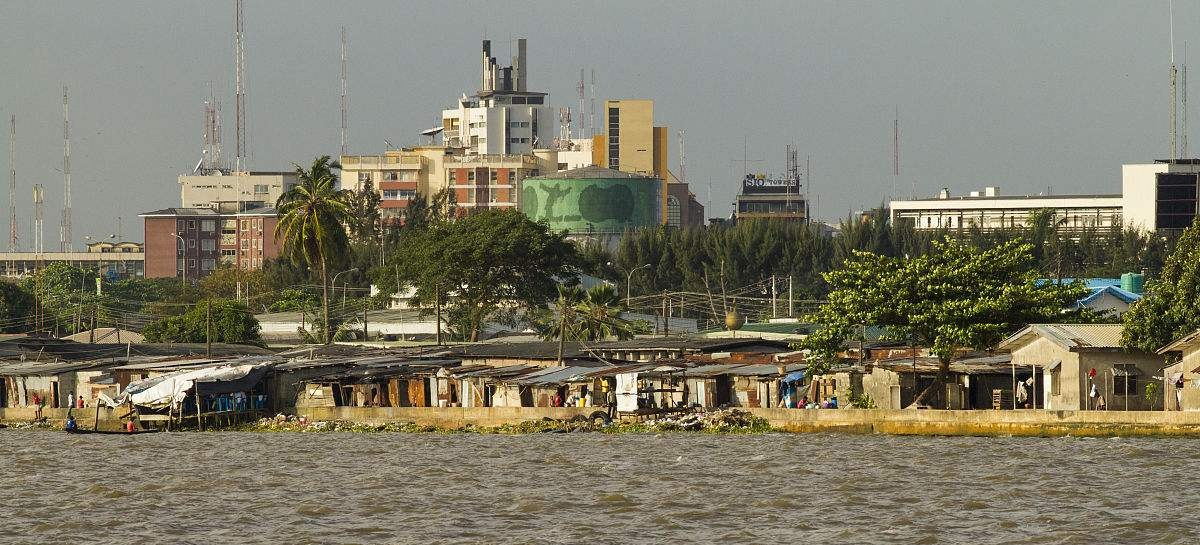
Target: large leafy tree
(313,216)
(16,307)
(1171,305)
(220,320)
(954,297)
(482,263)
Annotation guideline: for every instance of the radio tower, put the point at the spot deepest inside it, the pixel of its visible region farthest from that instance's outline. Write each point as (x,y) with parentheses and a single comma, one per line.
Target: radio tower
(344,103)
(592,115)
(584,131)
(12,183)
(64,237)
(895,151)
(1174,97)
(239,59)
(212,134)
(39,214)
(682,159)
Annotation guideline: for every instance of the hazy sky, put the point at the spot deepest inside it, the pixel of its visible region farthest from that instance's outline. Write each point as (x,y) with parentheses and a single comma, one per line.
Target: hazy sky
(1022,95)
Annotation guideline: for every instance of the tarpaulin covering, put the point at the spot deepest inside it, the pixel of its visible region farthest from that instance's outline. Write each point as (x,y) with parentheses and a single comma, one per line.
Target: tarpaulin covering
(795,376)
(170,389)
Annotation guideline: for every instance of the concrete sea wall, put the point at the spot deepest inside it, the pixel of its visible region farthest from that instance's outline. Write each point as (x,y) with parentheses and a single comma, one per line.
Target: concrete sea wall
(897,422)
(986,423)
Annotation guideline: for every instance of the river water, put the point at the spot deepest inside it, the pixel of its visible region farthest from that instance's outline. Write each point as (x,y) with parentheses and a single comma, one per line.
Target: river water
(593,488)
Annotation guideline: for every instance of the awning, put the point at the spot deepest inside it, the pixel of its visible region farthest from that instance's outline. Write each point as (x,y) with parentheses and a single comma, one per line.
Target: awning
(1054,366)
(794,376)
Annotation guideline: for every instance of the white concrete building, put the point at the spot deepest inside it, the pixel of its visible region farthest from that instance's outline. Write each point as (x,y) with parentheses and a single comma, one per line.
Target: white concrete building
(988,209)
(223,190)
(1161,195)
(504,117)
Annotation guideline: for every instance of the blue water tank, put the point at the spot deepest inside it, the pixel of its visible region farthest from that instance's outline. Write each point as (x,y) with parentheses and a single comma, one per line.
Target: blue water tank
(1133,282)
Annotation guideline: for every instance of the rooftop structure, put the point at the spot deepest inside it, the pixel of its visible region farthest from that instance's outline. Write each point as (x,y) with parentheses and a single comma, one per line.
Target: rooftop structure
(114,260)
(230,191)
(988,209)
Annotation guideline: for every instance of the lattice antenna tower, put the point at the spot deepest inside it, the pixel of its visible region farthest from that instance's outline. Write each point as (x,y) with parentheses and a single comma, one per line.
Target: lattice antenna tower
(64,237)
(1174,72)
(592,115)
(1183,136)
(13,238)
(584,130)
(895,152)
(239,59)
(212,132)
(682,159)
(345,100)
(39,218)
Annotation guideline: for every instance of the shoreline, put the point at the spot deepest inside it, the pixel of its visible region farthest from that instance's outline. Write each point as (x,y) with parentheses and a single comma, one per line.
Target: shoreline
(529,420)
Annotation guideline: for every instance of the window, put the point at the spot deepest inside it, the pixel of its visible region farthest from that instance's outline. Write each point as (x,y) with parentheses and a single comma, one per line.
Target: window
(228,252)
(494,176)
(453,176)
(1055,378)
(208,245)
(245,263)
(208,226)
(1125,379)
(673,211)
(364,176)
(396,194)
(245,225)
(191,243)
(208,264)
(470,175)
(408,176)
(179,264)
(191,263)
(391,176)
(245,243)
(261,189)
(191,224)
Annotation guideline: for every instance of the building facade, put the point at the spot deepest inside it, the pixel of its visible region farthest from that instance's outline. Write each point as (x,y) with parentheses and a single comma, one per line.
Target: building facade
(190,243)
(114,260)
(764,197)
(504,117)
(991,210)
(225,190)
(1160,196)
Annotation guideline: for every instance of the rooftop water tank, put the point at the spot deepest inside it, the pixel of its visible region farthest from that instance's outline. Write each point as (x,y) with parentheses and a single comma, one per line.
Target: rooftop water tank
(1133,282)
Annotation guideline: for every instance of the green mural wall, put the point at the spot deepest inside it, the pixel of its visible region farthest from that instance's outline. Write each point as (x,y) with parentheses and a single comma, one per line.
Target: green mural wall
(600,204)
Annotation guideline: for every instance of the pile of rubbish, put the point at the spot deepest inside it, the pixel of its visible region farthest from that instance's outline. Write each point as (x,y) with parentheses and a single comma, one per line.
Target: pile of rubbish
(719,421)
(283,422)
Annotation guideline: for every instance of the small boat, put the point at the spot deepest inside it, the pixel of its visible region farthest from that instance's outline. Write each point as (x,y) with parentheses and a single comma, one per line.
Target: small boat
(113,432)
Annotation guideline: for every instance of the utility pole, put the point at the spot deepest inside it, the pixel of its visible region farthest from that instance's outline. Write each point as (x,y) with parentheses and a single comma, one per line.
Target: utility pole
(562,326)
(208,329)
(437,302)
(774,307)
(666,318)
(64,239)
(12,184)
(364,322)
(791,299)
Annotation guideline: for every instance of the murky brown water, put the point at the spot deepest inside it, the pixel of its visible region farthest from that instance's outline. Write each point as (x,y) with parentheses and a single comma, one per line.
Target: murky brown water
(592,488)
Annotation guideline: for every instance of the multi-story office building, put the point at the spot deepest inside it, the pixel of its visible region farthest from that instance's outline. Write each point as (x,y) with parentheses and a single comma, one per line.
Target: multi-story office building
(504,117)
(233,190)
(766,197)
(190,243)
(988,209)
(1161,196)
(631,142)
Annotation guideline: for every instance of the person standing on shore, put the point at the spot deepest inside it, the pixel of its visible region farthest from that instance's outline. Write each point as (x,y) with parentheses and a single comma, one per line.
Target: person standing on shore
(37,406)
(612,403)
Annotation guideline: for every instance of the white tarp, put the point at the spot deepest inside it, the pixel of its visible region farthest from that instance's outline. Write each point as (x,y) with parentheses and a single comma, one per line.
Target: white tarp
(170,389)
(627,392)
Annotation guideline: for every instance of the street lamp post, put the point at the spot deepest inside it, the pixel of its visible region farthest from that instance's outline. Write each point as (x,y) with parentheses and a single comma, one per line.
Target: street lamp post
(334,284)
(629,282)
(183,249)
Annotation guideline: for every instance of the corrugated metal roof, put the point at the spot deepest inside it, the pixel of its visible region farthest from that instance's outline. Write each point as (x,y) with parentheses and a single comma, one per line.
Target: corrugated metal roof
(1071,336)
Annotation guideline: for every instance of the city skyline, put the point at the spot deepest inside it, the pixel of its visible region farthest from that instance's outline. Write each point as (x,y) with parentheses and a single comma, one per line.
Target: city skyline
(988,95)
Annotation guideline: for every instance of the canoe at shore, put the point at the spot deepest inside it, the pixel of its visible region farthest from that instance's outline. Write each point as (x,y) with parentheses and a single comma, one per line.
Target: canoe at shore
(112,432)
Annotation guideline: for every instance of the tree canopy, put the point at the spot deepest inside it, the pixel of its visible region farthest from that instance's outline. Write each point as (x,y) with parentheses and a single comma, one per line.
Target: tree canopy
(481,263)
(230,322)
(956,296)
(1170,307)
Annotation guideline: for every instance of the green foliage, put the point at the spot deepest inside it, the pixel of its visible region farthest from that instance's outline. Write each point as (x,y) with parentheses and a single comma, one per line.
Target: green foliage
(16,305)
(955,296)
(313,216)
(1171,306)
(1152,394)
(365,222)
(482,262)
(230,322)
(862,401)
(592,315)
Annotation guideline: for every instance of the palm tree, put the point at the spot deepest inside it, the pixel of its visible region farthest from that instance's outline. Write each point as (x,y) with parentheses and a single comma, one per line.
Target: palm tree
(313,216)
(599,315)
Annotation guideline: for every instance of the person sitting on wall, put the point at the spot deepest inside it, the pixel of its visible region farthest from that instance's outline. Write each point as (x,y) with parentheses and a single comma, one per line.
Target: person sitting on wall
(70,424)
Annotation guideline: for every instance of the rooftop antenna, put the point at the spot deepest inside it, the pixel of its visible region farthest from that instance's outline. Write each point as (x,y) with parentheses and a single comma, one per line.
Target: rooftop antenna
(39,215)
(344,101)
(1183,137)
(211,159)
(895,151)
(584,131)
(592,115)
(12,183)
(64,238)
(1174,97)
(239,60)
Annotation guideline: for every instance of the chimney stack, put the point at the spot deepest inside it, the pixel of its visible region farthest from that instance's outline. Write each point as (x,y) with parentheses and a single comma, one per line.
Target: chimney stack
(519,66)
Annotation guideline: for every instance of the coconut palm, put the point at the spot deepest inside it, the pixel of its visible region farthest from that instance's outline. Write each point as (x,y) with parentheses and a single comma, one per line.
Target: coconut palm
(599,315)
(313,216)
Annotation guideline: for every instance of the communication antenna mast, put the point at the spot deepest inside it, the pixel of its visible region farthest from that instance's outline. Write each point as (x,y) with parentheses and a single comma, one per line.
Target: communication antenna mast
(1183,137)
(64,238)
(895,151)
(239,59)
(39,215)
(212,133)
(584,130)
(345,104)
(1174,96)
(592,115)
(12,184)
